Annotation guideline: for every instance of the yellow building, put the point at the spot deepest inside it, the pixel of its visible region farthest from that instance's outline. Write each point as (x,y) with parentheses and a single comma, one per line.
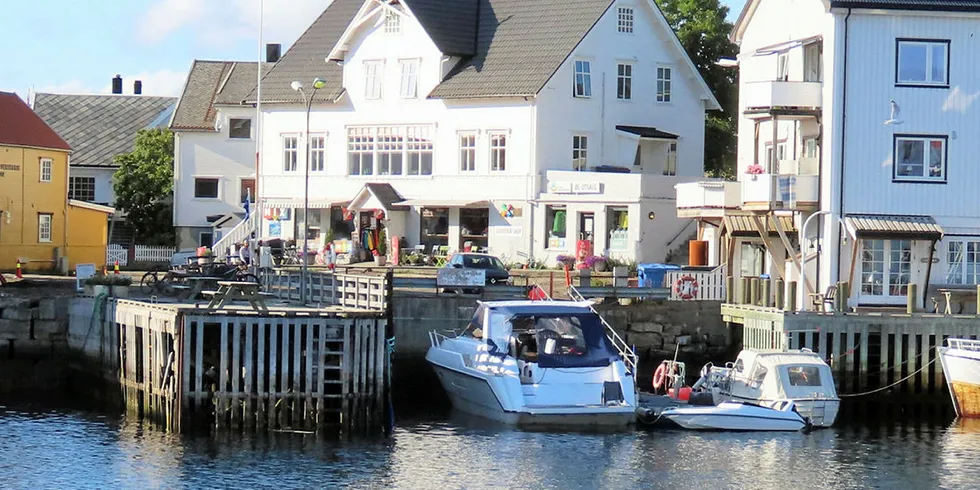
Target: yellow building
(37,224)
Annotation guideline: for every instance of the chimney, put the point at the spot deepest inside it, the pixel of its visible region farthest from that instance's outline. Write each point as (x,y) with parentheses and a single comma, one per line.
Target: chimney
(137,87)
(273,52)
(117,85)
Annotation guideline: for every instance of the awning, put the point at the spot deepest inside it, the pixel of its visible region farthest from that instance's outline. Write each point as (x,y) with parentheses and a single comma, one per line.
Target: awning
(785,46)
(889,226)
(298,203)
(445,203)
(647,132)
(744,225)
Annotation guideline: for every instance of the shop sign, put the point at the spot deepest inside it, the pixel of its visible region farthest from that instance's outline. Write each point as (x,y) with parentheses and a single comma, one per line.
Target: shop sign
(565,187)
(508,230)
(5,167)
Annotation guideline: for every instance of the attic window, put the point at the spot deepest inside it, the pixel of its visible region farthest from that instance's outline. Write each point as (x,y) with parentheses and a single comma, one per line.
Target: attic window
(239,129)
(393,22)
(625,23)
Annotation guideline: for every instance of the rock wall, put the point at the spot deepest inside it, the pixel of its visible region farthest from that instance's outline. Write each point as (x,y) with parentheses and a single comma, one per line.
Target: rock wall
(33,325)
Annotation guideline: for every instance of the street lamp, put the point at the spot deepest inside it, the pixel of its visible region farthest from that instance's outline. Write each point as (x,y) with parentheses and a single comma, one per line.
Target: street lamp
(318,83)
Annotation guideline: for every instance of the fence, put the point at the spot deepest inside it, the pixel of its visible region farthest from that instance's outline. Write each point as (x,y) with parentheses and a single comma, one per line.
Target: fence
(146,253)
(116,253)
(363,292)
(696,285)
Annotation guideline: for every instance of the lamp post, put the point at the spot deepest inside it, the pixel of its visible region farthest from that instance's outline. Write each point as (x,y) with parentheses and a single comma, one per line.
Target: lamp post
(318,83)
(806,223)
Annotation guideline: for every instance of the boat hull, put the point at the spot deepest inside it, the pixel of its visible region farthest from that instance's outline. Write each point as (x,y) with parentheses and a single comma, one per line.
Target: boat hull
(735,417)
(961,367)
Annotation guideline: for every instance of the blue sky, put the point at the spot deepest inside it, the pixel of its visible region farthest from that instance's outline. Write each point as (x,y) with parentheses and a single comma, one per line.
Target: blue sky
(77,46)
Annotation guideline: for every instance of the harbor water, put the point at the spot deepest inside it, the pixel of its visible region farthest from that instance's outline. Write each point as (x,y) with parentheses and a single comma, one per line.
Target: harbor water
(56,448)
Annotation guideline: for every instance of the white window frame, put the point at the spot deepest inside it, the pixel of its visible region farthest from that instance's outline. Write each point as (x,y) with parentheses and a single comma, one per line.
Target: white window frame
(965,260)
(230,126)
(782,67)
(392,22)
(206,177)
(409,86)
(810,147)
(412,144)
(467,153)
(45,223)
(318,152)
(664,83)
(624,81)
(73,187)
(497,151)
(374,79)
(580,152)
(670,159)
(582,68)
(930,80)
(46,168)
(241,196)
(290,154)
(927,142)
(625,19)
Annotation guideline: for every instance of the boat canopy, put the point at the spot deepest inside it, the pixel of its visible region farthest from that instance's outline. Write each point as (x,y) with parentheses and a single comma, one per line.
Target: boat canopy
(787,374)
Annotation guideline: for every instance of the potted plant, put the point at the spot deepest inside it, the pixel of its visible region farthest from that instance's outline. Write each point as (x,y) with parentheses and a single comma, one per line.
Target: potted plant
(98,284)
(381,251)
(596,263)
(755,170)
(565,261)
(119,285)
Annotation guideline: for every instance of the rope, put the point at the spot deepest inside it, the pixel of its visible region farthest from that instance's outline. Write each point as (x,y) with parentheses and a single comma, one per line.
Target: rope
(883,388)
(98,311)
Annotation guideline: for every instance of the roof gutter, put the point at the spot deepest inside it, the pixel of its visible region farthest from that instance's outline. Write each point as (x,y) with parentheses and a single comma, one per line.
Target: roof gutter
(843,136)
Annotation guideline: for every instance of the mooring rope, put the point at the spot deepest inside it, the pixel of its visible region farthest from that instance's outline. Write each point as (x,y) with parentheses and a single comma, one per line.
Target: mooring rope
(98,311)
(883,388)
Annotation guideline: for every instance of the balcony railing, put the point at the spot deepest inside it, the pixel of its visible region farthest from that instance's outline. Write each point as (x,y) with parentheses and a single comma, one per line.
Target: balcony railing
(771,94)
(706,198)
(779,192)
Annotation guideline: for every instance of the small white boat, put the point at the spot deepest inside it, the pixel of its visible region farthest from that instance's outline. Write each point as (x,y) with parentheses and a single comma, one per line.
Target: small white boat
(536,363)
(737,416)
(961,367)
(769,378)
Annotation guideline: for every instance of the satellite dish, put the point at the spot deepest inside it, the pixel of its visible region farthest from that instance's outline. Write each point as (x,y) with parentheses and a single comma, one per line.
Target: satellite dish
(895,110)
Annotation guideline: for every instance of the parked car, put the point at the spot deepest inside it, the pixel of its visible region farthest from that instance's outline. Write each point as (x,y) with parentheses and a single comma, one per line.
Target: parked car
(495,271)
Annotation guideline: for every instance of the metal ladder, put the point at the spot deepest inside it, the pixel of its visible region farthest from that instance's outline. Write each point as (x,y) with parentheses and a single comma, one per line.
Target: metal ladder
(625,350)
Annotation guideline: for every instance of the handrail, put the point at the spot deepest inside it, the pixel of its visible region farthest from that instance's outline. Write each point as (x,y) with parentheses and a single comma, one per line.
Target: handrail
(964,344)
(627,352)
(238,233)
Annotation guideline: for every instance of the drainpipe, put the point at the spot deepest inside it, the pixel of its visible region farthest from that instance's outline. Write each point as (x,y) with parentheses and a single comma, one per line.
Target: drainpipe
(532,185)
(843,136)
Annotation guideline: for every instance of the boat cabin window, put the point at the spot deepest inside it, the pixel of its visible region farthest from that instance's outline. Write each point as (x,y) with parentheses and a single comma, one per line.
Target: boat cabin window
(552,336)
(739,366)
(473,330)
(804,376)
(759,374)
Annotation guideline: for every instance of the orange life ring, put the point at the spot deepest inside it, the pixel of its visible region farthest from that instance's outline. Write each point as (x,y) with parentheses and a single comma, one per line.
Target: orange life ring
(686,287)
(659,376)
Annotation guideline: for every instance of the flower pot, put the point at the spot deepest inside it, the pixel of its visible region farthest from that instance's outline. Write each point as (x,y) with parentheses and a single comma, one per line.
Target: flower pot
(599,266)
(98,289)
(380,259)
(754,176)
(120,291)
(88,290)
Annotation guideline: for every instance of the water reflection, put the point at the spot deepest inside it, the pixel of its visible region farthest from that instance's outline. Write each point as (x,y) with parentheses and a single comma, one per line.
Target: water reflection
(76,449)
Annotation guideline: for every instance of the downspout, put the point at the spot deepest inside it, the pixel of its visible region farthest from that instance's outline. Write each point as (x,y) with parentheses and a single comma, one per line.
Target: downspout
(533,185)
(843,137)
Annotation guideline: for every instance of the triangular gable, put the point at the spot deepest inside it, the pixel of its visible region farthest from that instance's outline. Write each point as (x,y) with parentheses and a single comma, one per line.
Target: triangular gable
(369,10)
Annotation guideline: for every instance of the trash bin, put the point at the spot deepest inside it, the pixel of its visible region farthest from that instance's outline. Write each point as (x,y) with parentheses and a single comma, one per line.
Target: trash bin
(652,275)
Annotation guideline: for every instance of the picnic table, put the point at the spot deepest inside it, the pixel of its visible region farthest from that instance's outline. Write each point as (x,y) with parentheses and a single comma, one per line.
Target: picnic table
(196,284)
(237,290)
(962,294)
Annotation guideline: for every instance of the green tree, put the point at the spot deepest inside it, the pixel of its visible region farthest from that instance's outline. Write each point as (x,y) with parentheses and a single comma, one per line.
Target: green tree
(703,30)
(144,186)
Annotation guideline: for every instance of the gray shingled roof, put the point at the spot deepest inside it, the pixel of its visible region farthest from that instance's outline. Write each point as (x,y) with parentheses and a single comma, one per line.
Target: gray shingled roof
(450,25)
(99,127)
(304,60)
(936,5)
(209,83)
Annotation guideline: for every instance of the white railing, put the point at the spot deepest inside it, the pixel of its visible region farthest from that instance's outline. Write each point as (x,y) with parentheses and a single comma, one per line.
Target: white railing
(696,285)
(627,352)
(146,253)
(964,344)
(116,253)
(713,194)
(238,234)
(362,292)
(782,94)
(779,191)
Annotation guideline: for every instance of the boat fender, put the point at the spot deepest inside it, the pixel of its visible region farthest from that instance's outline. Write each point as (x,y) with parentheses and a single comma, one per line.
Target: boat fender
(659,376)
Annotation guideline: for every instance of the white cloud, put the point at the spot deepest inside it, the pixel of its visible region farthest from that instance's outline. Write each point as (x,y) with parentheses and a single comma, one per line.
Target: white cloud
(69,87)
(161,83)
(228,21)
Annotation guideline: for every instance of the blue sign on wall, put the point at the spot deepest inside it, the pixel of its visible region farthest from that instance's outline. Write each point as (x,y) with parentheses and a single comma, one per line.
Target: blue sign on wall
(275,229)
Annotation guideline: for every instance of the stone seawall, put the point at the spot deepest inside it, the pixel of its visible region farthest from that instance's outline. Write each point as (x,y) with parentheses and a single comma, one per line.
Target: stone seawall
(28,326)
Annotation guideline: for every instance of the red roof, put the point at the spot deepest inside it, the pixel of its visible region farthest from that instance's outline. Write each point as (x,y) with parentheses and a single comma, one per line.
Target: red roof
(20,126)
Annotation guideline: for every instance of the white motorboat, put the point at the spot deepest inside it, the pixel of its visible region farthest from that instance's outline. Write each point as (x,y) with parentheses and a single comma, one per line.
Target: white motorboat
(737,416)
(961,367)
(536,362)
(770,378)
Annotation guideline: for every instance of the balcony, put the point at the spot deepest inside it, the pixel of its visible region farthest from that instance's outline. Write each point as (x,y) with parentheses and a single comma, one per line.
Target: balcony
(778,94)
(787,192)
(706,199)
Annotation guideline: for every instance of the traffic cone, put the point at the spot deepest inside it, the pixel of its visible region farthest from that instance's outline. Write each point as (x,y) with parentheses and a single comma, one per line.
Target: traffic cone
(115,267)
(19,274)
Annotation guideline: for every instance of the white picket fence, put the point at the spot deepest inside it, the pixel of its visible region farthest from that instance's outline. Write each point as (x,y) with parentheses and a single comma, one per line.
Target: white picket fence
(143,253)
(116,253)
(696,285)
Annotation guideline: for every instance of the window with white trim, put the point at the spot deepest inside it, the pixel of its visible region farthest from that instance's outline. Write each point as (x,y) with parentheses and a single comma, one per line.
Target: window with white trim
(580,148)
(670,163)
(393,22)
(318,153)
(625,20)
(410,79)
(239,128)
(922,62)
(663,84)
(373,79)
(920,158)
(583,79)
(45,170)
(44,227)
(624,81)
(390,150)
(963,262)
(782,67)
(467,152)
(290,152)
(498,152)
(81,188)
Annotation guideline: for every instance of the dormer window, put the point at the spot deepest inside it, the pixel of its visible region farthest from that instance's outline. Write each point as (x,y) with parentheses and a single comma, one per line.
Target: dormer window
(393,22)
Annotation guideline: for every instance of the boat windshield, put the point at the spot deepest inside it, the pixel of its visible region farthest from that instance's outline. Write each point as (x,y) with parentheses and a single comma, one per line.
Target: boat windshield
(562,340)
(804,376)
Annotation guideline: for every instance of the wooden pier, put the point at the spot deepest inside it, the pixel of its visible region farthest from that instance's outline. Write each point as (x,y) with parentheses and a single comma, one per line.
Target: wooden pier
(866,350)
